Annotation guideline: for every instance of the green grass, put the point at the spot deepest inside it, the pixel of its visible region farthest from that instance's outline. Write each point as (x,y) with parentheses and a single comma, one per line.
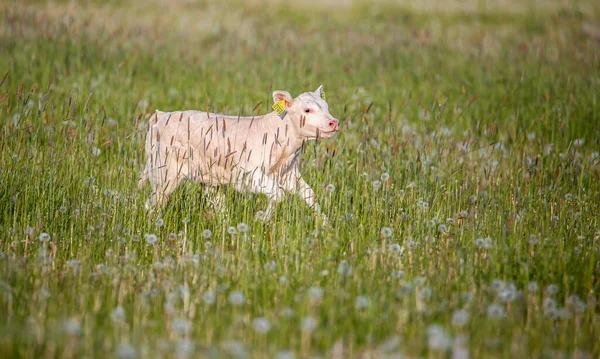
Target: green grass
(485,118)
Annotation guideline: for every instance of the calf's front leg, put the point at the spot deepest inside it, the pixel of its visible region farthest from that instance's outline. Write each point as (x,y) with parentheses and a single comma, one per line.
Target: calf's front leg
(295,184)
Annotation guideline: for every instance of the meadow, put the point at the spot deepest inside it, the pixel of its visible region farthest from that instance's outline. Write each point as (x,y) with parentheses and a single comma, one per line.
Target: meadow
(462,190)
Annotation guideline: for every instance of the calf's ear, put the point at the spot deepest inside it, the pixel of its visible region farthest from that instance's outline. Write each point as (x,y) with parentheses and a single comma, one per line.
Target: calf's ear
(282,95)
(319,91)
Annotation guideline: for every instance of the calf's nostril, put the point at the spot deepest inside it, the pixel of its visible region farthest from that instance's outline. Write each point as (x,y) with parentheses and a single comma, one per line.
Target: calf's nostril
(333,124)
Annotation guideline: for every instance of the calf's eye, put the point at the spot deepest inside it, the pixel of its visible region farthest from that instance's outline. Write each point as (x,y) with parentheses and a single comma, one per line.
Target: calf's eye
(307,110)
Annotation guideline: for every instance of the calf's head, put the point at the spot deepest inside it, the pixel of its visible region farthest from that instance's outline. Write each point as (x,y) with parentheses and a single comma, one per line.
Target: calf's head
(309,114)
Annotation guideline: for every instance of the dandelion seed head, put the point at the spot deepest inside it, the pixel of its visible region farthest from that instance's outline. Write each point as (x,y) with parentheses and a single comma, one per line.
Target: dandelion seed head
(29,231)
(533,239)
(315,294)
(386,232)
(181,326)
(206,234)
(184,348)
(72,326)
(236,298)
(397,274)
(159,222)
(552,289)
(125,351)
(361,302)
(96,151)
(151,239)
(44,237)
(117,314)
(330,188)
(62,209)
(395,248)
(460,318)
(309,324)
(231,230)
(495,311)
(532,287)
(285,354)
(344,269)
(242,227)
(261,325)
(437,338)
(376,185)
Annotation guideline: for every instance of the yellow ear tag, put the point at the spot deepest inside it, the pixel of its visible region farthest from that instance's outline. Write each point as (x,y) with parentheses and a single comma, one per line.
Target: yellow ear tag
(279,107)
(323,95)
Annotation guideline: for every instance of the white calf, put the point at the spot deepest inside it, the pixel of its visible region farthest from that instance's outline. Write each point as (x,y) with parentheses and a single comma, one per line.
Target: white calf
(257,154)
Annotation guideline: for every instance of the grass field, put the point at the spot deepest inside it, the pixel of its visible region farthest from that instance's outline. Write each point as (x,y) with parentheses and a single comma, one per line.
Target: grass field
(463,211)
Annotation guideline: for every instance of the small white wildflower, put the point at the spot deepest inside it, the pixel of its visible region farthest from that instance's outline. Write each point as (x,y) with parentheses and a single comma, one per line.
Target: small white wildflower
(261,325)
(532,287)
(395,248)
(531,135)
(285,354)
(549,305)
(345,269)
(209,297)
(460,318)
(376,185)
(236,298)
(398,274)
(242,227)
(495,311)
(125,351)
(44,237)
(96,151)
(283,280)
(578,142)
(72,326)
(330,188)
(361,302)
(309,324)
(151,239)
(315,294)
(533,239)
(181,326)
(386,232)
(143,104)
(437,337)
(206,234)
(117,314)
(385,177)
(485,243)
(552,289)
(184,348)
(74,263)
